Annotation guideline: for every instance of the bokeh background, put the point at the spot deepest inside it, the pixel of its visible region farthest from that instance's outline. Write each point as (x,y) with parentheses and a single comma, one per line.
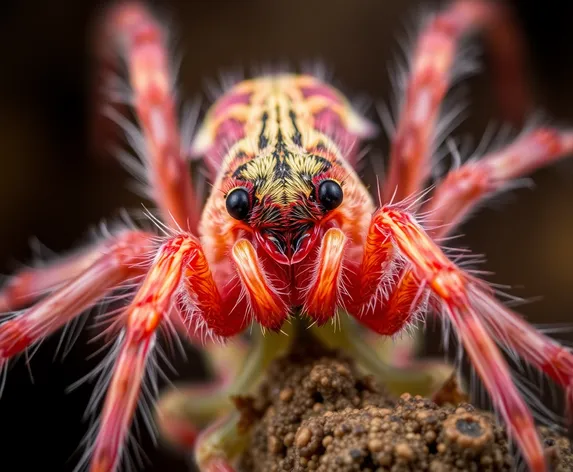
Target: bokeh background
(55,184)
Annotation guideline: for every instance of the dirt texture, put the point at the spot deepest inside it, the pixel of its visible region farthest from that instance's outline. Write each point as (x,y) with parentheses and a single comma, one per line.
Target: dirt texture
(315,411)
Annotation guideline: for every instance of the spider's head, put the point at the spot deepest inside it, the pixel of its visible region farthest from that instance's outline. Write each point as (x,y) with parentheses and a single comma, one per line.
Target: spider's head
(287,201)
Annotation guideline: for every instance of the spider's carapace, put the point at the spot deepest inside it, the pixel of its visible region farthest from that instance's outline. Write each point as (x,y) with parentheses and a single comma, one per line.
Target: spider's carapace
(285,144)
(289,229)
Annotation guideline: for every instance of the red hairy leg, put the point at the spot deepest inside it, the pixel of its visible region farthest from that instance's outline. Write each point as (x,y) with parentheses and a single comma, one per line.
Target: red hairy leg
(535,347)
(142,41)
(388,314)
(154,299)
(120,262)
(180,275)
(410,154)
(177,257)
(464,188)
(30,284)
(453,292)
(385,296)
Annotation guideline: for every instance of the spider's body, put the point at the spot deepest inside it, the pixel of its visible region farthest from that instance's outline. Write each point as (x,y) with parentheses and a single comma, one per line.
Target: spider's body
(289,229)
(279,138)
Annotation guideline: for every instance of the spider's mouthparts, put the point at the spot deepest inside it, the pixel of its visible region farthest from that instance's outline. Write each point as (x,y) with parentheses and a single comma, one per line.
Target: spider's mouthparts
(288,247)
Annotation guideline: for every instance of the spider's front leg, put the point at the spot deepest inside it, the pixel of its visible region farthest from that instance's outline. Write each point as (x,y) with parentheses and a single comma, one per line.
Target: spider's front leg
(423,272)
(180,284)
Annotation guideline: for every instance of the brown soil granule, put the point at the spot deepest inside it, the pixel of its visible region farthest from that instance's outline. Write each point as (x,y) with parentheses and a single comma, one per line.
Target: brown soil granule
(315,411)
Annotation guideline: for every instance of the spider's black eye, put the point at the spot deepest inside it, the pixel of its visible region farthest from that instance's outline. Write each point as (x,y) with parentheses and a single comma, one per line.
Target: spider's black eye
(237,203)
(330,194)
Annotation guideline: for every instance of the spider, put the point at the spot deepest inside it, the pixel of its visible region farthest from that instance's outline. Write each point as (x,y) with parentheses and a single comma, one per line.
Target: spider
(290,236)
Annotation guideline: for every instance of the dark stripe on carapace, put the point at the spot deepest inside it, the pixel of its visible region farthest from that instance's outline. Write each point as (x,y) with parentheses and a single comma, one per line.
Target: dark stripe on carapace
(282,169)
(263,141)
(325,162)
(297,137)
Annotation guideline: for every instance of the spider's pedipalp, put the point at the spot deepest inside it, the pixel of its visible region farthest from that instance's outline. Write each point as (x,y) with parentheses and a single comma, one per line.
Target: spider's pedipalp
(432,65)
(325,287)
(268,307)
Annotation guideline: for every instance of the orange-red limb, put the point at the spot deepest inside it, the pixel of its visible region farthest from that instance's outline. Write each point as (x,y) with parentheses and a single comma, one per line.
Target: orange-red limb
(389,315)
(450,288)
(119,263)
(325,290)
(269,309)
(535,347)
(154,300)
(30,284)
(496,376)
(143,43)
(179,283)
(464,188)
(432,63)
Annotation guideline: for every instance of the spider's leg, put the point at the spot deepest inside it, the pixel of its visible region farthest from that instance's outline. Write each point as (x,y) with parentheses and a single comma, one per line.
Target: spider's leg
(432,65)
(464,301)
(120,262)
(535,347)
(331,286)
(142,41)
(156,298)
(464,188)
(179,283)
(28,285)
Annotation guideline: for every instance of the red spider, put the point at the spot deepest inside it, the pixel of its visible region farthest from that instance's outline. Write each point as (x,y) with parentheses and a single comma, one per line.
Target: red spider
(289,230)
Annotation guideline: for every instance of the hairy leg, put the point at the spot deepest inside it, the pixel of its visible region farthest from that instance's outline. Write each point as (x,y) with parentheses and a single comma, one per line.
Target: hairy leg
(178,284)
(177,261)
(142,41)
(28,285)
(466,303)
(121,262)
(432,64)
(464,188)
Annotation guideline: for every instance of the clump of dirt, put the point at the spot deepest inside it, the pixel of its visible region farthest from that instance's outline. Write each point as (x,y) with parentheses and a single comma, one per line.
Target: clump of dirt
(315,411)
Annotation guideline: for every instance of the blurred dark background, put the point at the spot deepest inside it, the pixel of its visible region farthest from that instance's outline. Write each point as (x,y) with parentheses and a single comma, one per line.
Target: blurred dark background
(54,185)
